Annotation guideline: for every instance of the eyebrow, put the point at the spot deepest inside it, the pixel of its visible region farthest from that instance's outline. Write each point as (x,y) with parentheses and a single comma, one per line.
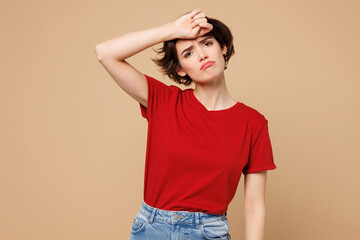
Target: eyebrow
(201,41)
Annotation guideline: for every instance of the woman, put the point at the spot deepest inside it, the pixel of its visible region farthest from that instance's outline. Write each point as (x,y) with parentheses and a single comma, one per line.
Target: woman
(200,140)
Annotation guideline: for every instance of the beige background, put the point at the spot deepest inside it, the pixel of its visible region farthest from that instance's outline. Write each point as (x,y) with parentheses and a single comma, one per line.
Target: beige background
(73,143)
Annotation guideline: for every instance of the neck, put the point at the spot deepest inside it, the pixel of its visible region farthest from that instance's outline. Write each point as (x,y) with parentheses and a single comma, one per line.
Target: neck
(214,95)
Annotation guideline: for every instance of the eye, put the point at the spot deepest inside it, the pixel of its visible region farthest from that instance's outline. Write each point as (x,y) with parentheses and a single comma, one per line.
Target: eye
(208,43)
(187,54)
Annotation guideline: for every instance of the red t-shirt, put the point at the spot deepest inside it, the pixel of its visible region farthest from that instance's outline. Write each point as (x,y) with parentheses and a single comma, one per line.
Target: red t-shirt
(194,156)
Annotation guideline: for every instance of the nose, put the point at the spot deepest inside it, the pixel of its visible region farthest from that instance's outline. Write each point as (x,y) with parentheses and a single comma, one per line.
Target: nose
(202,54)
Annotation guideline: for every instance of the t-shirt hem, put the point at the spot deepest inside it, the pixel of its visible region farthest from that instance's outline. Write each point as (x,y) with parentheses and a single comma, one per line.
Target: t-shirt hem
(257,169)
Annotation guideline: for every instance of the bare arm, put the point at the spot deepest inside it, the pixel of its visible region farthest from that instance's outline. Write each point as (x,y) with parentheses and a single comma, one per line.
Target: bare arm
(113,52)
(125,46)
(254,205)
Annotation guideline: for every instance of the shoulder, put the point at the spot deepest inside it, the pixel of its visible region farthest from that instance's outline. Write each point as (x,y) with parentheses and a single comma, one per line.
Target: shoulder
(254,116)
(155,82)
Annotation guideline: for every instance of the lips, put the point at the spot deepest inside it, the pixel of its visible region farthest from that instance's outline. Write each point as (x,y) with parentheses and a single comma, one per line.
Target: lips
(207,64)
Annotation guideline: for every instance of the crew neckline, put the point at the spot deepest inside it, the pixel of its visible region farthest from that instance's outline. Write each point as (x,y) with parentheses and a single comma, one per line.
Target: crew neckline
(212,111)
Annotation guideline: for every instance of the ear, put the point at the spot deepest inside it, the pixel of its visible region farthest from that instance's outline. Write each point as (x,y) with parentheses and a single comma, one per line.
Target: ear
(224,49)
(180,72)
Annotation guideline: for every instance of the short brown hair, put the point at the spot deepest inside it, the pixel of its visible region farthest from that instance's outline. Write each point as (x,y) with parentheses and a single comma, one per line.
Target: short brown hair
(169,62)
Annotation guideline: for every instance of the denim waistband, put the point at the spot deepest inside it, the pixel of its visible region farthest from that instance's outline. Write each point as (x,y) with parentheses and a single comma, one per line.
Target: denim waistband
(178,217)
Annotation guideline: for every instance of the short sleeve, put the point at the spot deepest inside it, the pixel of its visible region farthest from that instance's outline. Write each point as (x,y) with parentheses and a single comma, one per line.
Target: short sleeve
(159,94)
(261,155)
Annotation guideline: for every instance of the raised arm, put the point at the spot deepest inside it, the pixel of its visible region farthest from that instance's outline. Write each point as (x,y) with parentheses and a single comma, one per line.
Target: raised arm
(113,52)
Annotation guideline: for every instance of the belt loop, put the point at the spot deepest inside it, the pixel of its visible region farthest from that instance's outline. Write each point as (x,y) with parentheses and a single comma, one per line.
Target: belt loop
(197,218)
(151,219)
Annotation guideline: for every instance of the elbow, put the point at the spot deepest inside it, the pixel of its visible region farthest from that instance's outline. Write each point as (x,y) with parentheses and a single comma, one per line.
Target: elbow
(98,52)
(254,210)
(252,207)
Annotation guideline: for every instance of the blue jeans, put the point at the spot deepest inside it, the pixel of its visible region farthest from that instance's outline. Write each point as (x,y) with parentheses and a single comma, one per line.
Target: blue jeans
(157,224)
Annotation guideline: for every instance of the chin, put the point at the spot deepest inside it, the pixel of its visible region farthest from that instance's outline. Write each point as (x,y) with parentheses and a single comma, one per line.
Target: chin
(207,79)
(213,75)
(208,76)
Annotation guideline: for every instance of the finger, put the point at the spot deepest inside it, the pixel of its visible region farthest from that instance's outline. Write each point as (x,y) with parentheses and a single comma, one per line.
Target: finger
(191,14)
(207,28)
(204,31)
(193,24)
(194,12)
(200,15)
(198,21)
(195,31)
(204,24)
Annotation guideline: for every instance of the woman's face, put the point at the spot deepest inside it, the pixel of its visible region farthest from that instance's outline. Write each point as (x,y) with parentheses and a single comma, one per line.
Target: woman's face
(194,53)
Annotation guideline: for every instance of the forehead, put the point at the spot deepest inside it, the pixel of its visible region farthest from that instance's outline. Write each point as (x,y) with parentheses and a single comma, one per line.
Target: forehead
(184,43)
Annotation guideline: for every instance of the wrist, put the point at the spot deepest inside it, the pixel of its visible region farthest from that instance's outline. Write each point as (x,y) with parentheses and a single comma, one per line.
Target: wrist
(168,30)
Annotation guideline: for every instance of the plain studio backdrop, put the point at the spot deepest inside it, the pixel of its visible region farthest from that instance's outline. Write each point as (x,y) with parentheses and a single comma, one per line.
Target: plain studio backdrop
(73,143)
